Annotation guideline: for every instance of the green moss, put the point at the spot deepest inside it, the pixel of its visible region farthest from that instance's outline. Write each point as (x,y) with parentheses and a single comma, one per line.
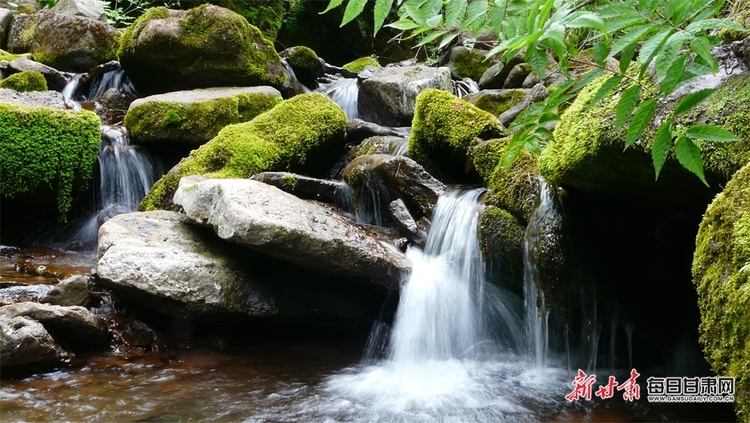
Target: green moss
(4,55)
(501,241)
(26,9)
(470,64)
(289,182)
(443,128)
(197,122)
(723,286)
(303,58)
(739,12)
(516,188)
(47,147)
(360,64)
(25,81)
(279,139)
(126,46)
(497,102)
(587,152)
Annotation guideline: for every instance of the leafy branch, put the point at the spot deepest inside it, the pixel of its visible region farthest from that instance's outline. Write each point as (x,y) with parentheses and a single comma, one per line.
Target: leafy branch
(655,46)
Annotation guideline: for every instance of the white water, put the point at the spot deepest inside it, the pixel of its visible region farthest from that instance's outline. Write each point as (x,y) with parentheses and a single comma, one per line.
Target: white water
(344,92)
(451,355)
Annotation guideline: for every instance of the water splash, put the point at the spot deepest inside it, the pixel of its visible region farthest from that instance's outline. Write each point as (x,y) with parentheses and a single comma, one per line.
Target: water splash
(344,92)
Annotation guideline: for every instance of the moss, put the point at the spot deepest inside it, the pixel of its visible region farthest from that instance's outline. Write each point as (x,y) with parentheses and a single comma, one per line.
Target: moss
(501,241)
(739,12)
(279,139)
(516,188)
(470,64)
(289,182)
(303,58)
(47,147)
(443,128)
(26,9)
(499,101)
(197,122)
(587,152)
(360,64)
(127,46)
(25,81)
(723,286)
(4,55)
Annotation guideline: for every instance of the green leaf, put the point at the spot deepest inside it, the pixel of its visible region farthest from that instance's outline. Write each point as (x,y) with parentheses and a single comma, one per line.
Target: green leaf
(403,24)
(332,5)
(585,19)
(432,37)
(454,12)
(674,75)
(689,156)
(587,78)
(537,59)
(382,8)
(474,12)
(710,133)
(640,121)
(625,21)
(651,46)
(434,21)
(668,54)
(626,57)
(353,9)
(447,40)
(705,24)
(662,145)
(626,105)
(607,87)
(702,47)
(691,100)
(613,10)
(414,10)
(600,53)
(631,37)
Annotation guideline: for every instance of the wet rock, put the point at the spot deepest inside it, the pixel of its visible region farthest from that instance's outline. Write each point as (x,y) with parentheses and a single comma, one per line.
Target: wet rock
(55,79)
(325,190)
(517,76)
(86,8)
(65,42)
(501,238)
(23,293)
(73,291)
(52,99)
(162,261)
(394,146)
(495,75)
(496,101)
(75,327)
(25,346)
(468,63)
(401,175)
(266,219)
(358,130)
(537,93)
(194,117)
(209,46)
(387,96)
(112,106)
(406,223)
(307,66)
(6,17)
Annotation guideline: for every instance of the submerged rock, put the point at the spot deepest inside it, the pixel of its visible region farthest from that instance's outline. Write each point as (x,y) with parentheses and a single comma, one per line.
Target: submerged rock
(721,278)
(387,96)
(162,261)
(208,46)
(268,220)
(194,117)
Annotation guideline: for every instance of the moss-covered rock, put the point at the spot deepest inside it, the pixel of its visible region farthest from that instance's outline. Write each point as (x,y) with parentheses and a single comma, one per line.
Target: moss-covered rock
(468,63)
(4,55)
(288,136)
(501,240)
(65,42)
(443,128)
(587,152)
(208,46)
(395,146)
(43,147)
(722,279)
(739,12)
(194,117)
(307,66)
(360,64)
(496,101)
(25,81)
(515,188)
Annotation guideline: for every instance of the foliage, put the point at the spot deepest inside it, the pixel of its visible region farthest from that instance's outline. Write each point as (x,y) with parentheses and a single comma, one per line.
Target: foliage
(25,81)
(42,147)
(671,37)
(122,13)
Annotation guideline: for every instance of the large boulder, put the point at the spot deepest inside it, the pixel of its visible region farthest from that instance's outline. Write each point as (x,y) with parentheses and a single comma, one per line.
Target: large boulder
(443,130)
(49,99)
(74,327)
(42,147)
(266,219)
(87,8)
(377,179)
(305,130)
(194,117)
(6,17)
(722,279)
(587,151)
(55,79)
(208,46)
(25,346)
(387,96)
(64,42)
(162,261)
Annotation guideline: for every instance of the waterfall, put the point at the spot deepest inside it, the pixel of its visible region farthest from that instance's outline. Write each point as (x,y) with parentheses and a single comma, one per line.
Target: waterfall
(344,92)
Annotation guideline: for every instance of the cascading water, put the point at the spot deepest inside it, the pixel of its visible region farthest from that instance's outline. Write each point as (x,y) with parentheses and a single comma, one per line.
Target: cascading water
(451,354)
(344,92)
